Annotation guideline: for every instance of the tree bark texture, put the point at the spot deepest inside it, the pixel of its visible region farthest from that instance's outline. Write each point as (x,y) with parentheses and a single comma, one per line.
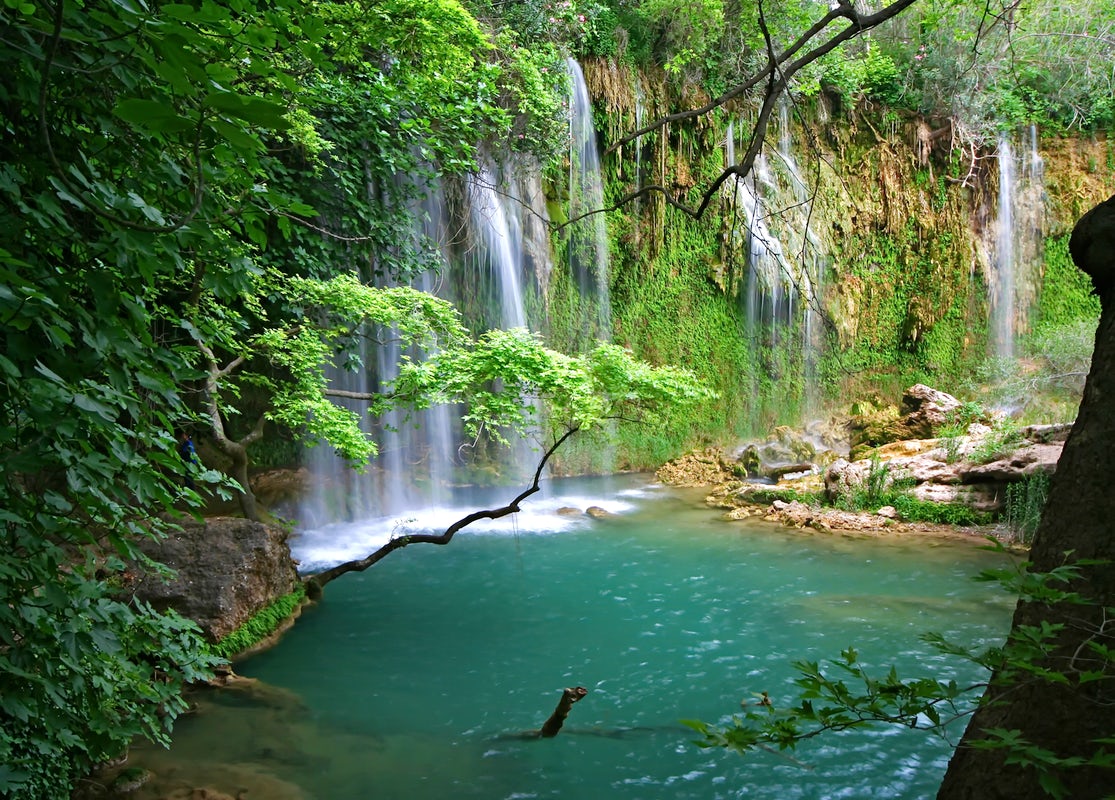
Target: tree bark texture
(1078,523)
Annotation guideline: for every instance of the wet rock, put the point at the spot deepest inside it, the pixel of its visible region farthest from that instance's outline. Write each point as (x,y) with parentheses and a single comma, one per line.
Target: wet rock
(569,511)
(227,570)
(596,512)
(130,780)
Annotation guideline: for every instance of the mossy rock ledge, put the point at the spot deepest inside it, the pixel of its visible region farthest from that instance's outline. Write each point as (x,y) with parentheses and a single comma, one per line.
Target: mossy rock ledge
(228,569)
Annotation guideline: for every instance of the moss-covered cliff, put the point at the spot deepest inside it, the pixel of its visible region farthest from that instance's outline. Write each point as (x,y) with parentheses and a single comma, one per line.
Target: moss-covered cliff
(887,266)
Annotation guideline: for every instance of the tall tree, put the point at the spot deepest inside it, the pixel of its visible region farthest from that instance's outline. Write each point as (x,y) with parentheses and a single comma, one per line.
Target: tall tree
(1051,730)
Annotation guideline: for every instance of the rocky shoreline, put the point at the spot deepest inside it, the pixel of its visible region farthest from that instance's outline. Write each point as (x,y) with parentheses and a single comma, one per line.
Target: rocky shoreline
(926,446)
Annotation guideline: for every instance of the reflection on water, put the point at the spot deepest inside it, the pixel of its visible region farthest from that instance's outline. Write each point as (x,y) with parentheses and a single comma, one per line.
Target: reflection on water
(406,680)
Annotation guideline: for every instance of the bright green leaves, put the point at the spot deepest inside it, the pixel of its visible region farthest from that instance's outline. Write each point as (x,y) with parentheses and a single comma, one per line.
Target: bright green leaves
(331,314)
(504,373)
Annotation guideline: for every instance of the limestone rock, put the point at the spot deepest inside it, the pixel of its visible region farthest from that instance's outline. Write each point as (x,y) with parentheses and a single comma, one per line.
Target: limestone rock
(923,412)
(704,468)
(228,569)
(1022,463)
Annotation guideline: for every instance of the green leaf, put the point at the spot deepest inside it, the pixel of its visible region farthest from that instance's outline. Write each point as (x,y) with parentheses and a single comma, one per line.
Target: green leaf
(255,110)
(152,115)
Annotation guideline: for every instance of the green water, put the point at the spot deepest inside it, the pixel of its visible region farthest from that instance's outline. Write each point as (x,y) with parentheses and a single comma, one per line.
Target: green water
(406,680)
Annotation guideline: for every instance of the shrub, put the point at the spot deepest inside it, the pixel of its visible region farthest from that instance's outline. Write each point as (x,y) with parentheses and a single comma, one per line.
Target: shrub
(1002,441)
(911,509)
(1025,502)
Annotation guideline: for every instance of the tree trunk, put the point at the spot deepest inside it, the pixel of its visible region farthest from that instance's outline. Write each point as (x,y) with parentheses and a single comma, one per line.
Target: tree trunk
(239,471)
(1078,523)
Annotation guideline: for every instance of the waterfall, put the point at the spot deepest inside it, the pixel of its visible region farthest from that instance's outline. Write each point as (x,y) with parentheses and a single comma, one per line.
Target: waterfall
(1016,249)
(810,252)
(414,462)
(500,231)
(482,272)
(767,271)
(785,258)
(1002,299)
(588,237)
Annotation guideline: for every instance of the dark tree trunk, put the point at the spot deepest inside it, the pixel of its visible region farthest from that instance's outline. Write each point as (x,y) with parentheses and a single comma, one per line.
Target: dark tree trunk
(1078,523)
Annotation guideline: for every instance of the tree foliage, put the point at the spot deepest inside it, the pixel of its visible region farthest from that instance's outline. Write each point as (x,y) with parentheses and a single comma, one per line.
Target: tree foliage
(203,205)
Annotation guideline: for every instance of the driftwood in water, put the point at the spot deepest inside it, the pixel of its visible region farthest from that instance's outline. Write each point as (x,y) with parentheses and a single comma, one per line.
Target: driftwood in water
(557,719)
(551,726)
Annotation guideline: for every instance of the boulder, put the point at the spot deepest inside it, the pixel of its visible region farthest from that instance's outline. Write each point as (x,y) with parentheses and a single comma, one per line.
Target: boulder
(923,412)
(1019,465)
(703,468)
(227,570)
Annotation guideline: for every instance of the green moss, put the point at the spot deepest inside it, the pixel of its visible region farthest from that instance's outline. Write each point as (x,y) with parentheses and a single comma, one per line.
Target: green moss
(1066,292)
(261,625)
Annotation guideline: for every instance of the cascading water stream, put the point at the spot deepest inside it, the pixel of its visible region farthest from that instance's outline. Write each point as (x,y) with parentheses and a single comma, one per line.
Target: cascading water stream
(419,451)
(500,257)
(415,452)
(588,237)
(785,258)
(1016,249)
(1002,302)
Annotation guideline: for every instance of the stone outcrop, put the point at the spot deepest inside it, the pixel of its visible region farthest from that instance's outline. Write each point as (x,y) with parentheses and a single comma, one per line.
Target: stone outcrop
(922,413)
(228,569)
(966,469)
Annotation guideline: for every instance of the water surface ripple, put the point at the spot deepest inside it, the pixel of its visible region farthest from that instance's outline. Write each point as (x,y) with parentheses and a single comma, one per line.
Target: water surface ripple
(406,680)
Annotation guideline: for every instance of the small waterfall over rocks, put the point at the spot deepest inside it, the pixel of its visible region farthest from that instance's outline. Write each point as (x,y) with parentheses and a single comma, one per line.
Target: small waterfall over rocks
(769,230)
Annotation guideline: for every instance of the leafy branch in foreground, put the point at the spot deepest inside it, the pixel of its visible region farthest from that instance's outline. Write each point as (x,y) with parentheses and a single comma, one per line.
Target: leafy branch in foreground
(848,695)
(504,378)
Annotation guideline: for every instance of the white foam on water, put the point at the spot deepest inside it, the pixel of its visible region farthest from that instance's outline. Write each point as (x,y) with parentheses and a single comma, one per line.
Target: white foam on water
(322,547)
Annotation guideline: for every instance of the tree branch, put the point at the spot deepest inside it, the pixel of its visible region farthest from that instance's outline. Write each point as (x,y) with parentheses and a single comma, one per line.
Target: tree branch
(315,583)
(777,73)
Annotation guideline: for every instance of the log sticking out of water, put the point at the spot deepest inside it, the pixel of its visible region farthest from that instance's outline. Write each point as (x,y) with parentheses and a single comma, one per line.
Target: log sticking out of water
(569,696)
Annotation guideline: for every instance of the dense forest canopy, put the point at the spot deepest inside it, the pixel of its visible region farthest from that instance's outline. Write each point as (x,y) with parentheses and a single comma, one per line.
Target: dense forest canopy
(201,201)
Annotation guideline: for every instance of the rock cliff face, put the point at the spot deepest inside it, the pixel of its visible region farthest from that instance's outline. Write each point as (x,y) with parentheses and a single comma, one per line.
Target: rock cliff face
(228,569)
